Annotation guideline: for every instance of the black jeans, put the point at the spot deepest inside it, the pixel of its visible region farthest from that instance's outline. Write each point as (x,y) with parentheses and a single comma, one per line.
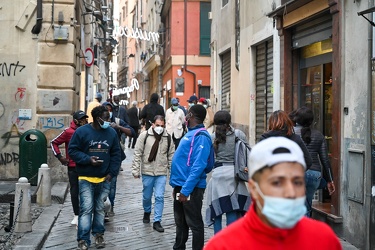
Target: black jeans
(74,189)
(189,215)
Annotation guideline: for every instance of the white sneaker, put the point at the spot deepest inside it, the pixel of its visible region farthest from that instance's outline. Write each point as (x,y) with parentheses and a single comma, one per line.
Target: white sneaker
(75,220)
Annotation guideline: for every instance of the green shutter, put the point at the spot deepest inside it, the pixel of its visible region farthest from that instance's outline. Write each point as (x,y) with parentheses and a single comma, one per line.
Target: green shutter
(205,28)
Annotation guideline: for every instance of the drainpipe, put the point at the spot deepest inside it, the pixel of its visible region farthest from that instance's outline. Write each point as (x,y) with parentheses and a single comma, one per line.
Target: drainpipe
(371,86)
(39,18)
(185,49)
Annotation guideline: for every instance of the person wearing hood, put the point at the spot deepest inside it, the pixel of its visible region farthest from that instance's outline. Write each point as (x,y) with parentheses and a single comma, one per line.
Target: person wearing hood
(121,127)
(279,124)
(79,119)
(119,111)
(151,110)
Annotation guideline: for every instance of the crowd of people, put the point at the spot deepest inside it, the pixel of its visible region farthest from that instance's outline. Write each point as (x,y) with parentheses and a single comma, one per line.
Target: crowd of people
(183,145)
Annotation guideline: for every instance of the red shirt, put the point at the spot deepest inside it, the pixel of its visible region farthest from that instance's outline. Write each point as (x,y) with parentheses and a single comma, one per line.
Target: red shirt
(250,232)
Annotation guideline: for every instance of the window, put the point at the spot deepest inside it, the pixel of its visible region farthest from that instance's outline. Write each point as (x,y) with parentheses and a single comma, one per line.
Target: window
(205,29)
(224,2)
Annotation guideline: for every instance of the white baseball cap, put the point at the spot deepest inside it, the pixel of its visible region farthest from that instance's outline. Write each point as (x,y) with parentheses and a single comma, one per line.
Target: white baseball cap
(274,150)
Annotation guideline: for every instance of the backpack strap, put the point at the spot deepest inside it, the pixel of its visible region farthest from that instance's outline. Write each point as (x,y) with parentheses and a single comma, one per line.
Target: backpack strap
(192,142)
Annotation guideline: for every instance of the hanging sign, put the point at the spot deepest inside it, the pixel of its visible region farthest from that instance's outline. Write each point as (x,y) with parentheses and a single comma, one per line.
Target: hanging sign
(136,33)
(127,90)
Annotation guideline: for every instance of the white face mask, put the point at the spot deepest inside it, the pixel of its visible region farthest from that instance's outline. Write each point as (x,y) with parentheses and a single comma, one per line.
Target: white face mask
(159,130)
(281,212)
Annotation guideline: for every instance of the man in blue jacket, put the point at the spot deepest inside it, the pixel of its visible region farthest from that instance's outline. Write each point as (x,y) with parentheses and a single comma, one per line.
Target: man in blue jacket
(191,162)
(96,150)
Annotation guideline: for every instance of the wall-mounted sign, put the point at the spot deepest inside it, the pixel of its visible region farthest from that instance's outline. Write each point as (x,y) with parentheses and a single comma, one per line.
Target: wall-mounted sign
(134,84)
(89,57)
(24,114)
(135,33)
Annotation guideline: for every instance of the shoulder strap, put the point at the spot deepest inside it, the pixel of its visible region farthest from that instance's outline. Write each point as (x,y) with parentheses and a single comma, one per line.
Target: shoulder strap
(169,141)
(144,142)
(192,143)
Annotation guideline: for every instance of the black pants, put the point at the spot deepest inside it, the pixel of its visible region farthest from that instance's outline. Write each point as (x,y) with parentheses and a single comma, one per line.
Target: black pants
(189,215)
(74,190)
(136,128)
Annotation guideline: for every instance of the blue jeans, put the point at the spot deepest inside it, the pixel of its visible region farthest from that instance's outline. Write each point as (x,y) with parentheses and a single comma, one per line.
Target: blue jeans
(189,215)
(112,191)
(156,185)
(231,217)
(91,214)
(312,179)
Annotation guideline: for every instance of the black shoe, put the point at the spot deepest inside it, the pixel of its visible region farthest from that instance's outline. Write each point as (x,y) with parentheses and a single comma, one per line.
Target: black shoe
(158,227)
(146,217)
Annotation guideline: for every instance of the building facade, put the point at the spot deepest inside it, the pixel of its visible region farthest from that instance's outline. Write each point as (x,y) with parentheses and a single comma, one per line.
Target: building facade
(48,70)
(286,54)
(185,40)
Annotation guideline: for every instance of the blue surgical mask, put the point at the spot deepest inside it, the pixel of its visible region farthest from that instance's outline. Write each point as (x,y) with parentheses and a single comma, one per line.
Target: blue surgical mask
(281,212)
(205,106)
(105,124)
(191,104)
(110,115)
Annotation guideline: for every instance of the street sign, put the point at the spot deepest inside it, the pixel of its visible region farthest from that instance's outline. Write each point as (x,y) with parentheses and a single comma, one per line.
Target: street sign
(89,57)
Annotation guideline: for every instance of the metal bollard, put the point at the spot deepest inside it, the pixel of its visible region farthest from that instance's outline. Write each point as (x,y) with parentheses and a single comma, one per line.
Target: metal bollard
(43,195)
(22,206)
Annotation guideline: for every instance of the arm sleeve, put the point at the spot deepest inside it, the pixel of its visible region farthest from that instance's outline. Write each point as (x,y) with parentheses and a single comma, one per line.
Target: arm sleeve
(170,153)
(126,125)
(76,151)
(56,142)
(115,153)
(198,161)
(138,153)
(306,153)
(324,159)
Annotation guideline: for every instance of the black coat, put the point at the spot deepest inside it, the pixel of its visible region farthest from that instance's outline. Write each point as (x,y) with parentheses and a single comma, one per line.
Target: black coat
(296,138)
(133,116)
(150,111)
(319,152)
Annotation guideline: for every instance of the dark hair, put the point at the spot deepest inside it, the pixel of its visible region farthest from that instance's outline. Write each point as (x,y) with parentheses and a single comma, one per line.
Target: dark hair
(199,113)
(279,120)
(222,120)
(98,111)
(304,117)
(154,98)
(158,117)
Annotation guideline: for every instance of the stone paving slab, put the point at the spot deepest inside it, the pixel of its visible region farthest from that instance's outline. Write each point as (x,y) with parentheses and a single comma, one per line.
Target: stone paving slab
(126,229)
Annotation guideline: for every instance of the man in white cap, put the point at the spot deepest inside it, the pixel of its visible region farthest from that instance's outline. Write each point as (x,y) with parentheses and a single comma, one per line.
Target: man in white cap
(276,219)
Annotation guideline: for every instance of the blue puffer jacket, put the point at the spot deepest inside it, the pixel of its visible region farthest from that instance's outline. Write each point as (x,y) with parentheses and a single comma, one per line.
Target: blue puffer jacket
(194,175)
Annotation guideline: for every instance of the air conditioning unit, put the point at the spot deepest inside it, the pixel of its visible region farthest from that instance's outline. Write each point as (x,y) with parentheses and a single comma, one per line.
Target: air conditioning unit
(210,15)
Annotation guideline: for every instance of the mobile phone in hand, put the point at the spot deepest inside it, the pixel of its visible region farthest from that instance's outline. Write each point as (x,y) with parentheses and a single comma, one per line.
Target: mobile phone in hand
(178,197)
(101,161)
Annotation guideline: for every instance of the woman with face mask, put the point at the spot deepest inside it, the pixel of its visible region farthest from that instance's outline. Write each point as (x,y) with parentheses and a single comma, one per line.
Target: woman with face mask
(276,218)
(152,160)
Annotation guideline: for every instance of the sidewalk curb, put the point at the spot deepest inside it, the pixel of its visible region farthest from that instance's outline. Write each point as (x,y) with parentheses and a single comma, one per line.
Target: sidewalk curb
(41,229)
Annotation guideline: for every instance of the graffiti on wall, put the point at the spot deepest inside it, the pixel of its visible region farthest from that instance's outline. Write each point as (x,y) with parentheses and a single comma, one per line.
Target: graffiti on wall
(13,133)
(10,69)
(20,94)
(51,122)
(9,158)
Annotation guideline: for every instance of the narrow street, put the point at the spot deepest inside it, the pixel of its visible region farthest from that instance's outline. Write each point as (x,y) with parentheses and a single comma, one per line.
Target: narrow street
(126,229)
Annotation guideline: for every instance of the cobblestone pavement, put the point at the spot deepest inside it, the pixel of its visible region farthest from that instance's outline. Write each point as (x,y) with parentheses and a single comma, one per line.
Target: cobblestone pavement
(126,229)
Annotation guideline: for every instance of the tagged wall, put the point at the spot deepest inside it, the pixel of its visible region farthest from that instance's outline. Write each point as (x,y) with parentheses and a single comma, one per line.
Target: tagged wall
(36,73)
